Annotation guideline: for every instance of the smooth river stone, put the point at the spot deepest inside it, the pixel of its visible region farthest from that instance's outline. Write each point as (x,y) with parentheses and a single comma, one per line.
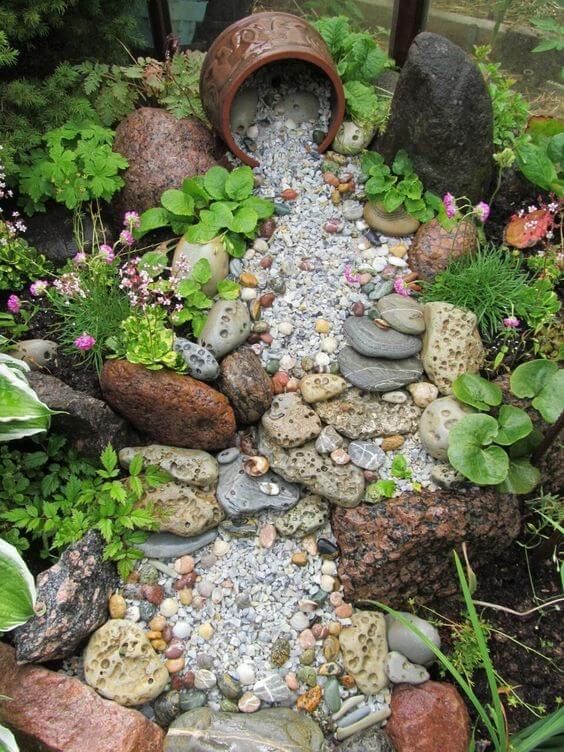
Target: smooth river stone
(364,336)
(240,494)
(227,326)
(170,546)
(402,313)
(378,374)
(201,363)
(366,454)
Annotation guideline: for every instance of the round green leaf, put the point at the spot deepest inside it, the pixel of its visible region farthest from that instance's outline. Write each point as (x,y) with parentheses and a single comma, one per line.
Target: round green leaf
(214,182)
(476,391)
(177,202)
(469,451)
(200,233)
(239,183)
(151,220)
(514,424)
(550,400)
(522,477)
(244,220)
(528,379)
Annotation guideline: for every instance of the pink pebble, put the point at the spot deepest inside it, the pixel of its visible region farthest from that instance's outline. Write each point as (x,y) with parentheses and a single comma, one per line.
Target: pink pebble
(365,278)
(184,565)
(267,338)
(293,385)
(340,456)
(292,681)
(333,225)
(306,639)
(320,631)
(336,599)
(174,651)
(370,475)
(344,611)
(306,265)
(266,262)
(267,536)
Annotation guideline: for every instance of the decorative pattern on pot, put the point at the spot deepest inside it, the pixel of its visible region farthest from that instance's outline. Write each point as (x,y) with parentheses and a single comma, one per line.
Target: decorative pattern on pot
(248,45)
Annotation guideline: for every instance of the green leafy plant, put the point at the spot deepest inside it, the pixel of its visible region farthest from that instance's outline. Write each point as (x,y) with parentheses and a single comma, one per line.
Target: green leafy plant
(77,165)
(545,524)
(18,594)
(7,740)
(19,262)
(400,468)
(492,284)
(217,204)
(552,33)
(543,382)
(21,411)
(540,156)
(380,489)
(359,61)
(398,186)
(146,339)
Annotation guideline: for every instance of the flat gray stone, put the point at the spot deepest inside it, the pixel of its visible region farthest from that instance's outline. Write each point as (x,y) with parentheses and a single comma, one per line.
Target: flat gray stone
(402,313)
(366,454)
(201,363)
(406,642)
(364,336)
(240,494)
(378,374)
(170,546)
(227,326)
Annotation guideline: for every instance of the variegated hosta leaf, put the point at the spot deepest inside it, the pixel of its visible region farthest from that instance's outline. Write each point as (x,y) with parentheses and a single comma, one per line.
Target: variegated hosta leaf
(17,593)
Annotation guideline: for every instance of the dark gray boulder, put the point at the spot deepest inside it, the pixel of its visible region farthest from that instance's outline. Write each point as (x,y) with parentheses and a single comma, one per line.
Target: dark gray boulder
(442,116)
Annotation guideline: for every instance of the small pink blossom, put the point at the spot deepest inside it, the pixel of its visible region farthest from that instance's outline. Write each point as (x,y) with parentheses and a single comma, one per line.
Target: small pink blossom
(85,342)
(108,252)
(351,278)
(450,205)
(14,304)
(126,238)
(38,288)
(79,258)
(131,219)
(482,211)
(511,322)
(401,288)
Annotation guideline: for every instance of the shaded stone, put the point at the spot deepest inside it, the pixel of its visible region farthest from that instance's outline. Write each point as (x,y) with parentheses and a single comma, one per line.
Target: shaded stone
(269,730)
(169,407)
(52,232)
(183,510)
(317,387)
(185,465)
(366,338)
(201,363)
(162,152)
(310,513)
(401,671)
(341,484)
(416,534)
(240,494)
(328,440)
(405,641)
(352,138)
(377,374)
(246,384)
(451,344)
(227,326)
(49,710)
(290,422)
(372,740)
(402,313)
(75,593)
(434,246)
(428,717)
(88,423)
(442,116)
(169,546)
(365,416)
(37,353)
(436,422)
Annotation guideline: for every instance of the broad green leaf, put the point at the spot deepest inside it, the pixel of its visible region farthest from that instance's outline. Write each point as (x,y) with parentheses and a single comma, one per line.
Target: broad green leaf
(152,219)
(109,458)
(470,453)
(528,379)
(261,206)
(402,163)
(195,187)
(536,165)
(526,446)
(370,160)
(201,272)
(136,465)
(392,200)
(239,184)
(514,424)
(234,245)
(178,202)
(244,221)
(200,233)
(215,181)
(218,215)
(550,400)
(7,740)
(522,477)
(476,391)
(17,593)
(154,263)
(227,289)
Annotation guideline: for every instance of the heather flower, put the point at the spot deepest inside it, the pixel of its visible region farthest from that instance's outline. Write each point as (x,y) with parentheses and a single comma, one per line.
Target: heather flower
(450,205)
(351,278)
(79,258)
(14,304)
(482,211)
(126,238)
(38,288)
(85,342)
(511,322)
(401,288)
(131,219)
(108,252)
(69,285)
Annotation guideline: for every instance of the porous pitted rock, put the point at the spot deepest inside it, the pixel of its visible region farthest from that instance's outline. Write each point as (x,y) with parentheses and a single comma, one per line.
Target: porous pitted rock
(227,326)
(372,740)
(364,649)
(428,717)
(162,151)
(201,363)
(269,730)
(247,385)
(341,484)
(169,407)
(435,424)
(121,664)
(88,423)
(364,416)
(451,344)
(415,534)
(183,510)
(310,513)
(378,374)
(75,594)
(184,465)
(434,246)
(442,116)
(48,710)
(241,494)
(318,387)
(290,422)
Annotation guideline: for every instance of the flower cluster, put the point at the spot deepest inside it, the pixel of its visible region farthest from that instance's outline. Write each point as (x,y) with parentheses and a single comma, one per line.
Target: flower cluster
(15,224)
(461,208)
(85,342)
(69,285)
(145,292)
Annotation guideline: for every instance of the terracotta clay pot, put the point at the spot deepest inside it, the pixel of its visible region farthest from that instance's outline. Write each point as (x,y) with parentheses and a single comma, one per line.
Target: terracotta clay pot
(251,43)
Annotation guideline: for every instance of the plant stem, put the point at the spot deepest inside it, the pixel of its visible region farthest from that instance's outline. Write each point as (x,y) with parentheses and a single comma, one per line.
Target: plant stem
(519,613)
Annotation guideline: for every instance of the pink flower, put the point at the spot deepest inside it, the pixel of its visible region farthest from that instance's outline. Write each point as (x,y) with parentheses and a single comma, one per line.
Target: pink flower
(511,322)
(351,278)
(482,211)
(14,304)
(38,288)
(450,204)
(131,219)
(79,258)
(401,288)
(108,252)
(85,342)
(126,237)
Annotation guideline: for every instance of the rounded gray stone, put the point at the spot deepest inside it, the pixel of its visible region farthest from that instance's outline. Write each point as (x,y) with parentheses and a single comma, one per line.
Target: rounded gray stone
(364,336)
(402,313)
(378,374)
(201,363)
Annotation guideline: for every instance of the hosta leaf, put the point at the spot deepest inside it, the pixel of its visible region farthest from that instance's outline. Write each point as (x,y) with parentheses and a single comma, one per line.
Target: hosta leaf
(514,424)
(550,400)
(522,477)
(17,594)
(470,452)
(528,379)
(476,391)
(7,740)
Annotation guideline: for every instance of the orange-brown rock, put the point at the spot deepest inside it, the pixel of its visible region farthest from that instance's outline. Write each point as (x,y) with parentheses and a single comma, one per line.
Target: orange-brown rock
(51,711)
(169,407)
(434,246)
(428,717)
(310,700)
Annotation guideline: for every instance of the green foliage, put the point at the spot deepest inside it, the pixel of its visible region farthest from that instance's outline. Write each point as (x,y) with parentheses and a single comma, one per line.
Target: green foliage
(380,489)
(219,203)
(146,339)
(542,381)
(552,33)
(21,411)
(359,62)
(54,497)
(397,187)
(476,391)
(77,165)
(8,56)
(400,468)
(540,156)
(7,740)
(546,522)
(18,594)
(492,284)
(20,263)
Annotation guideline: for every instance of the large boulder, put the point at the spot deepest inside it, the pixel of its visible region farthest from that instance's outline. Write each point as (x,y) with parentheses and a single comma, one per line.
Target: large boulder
(88,423)
(442,116)
(403,549)
(48,710)
(170,408)
(161,150)
(249,388)
(428,717)
(74,593)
